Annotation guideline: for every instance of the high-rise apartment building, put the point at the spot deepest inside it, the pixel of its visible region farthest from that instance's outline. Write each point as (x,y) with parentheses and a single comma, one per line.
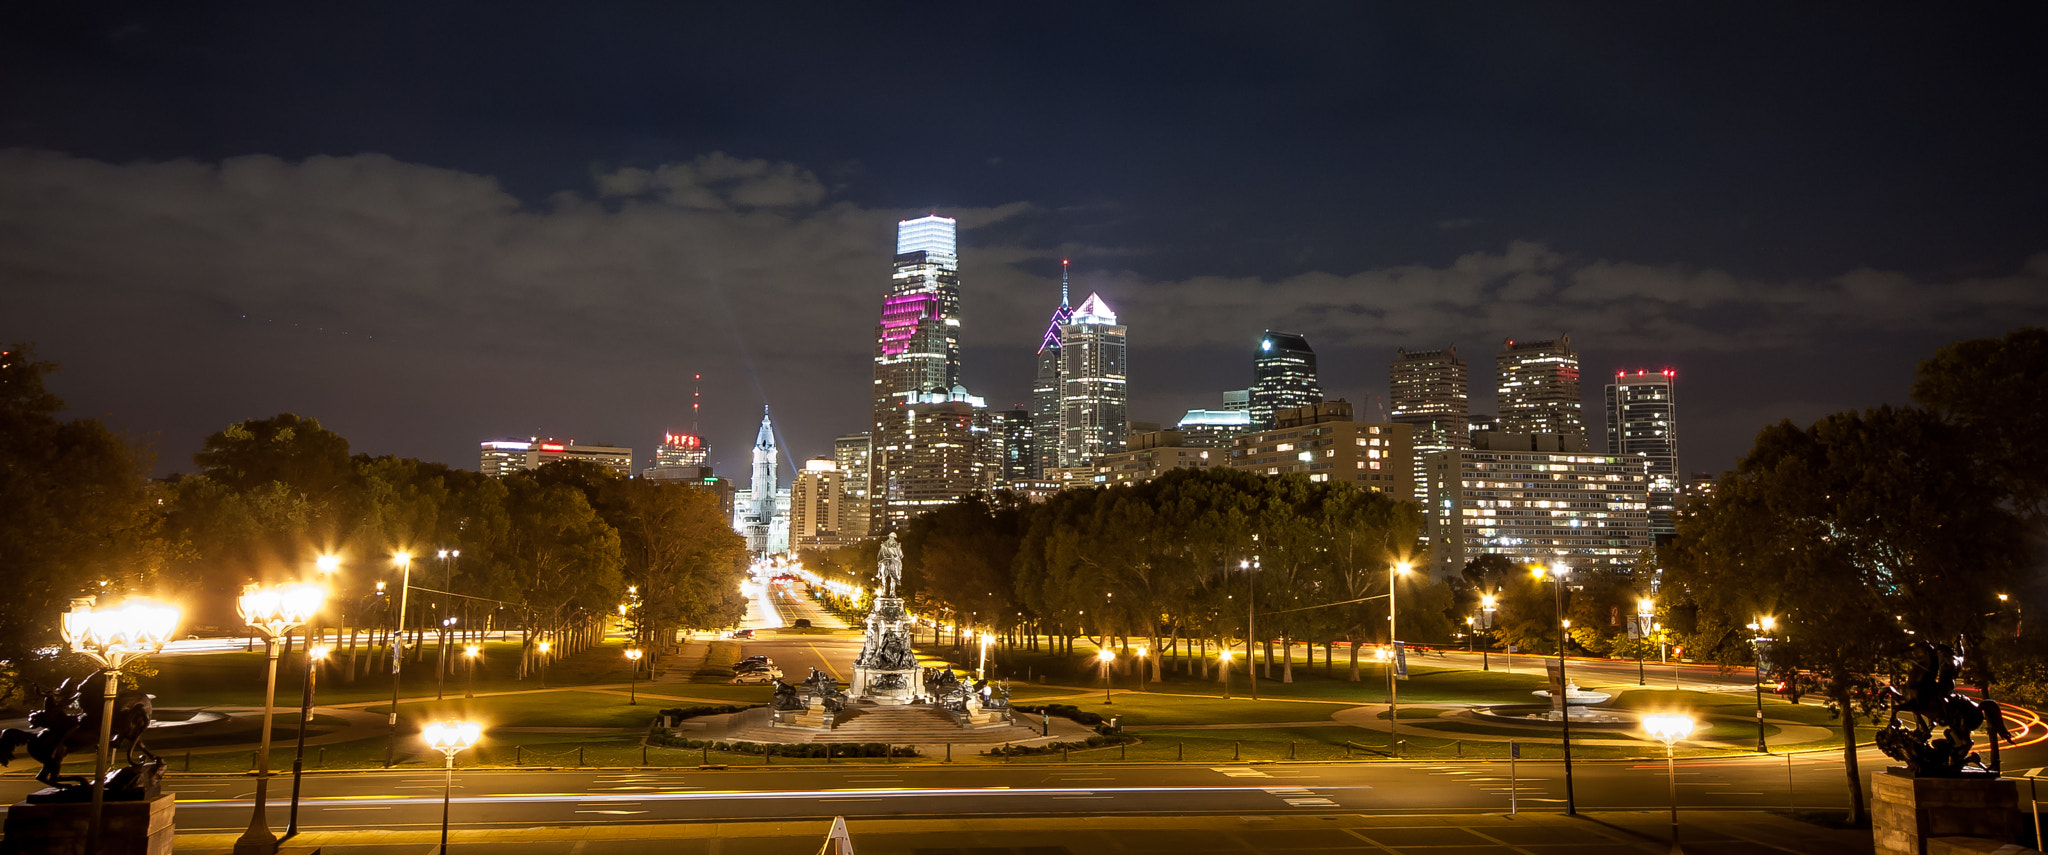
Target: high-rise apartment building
(1321,441)
(917,354)
(937,460)
(1642,418)
(1430,392)
(1046,388)
(1539,388)
(1530,499)
(1213,428)
(503,457)
(850,456)
(819,507)
(1283,377)
(1092,384)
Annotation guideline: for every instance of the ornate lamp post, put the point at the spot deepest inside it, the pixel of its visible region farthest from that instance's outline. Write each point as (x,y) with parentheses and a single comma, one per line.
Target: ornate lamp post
(111,638)
(403,560)
(633,682)
(1105,656)
(314,656)
(450,738)
(1669,729)
(1394,574)
(1646,609)
(273,612)
(1556,573)
(1762,625)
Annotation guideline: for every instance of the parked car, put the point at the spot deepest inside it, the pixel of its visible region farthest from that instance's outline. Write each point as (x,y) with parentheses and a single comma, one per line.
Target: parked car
(753,666)
(765,675)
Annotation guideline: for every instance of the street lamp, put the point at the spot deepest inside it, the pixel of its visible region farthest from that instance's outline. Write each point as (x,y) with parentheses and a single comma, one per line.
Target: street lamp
(1105,656)
(1486,605)
(542,647)
(450,738)
(441,645)
(111,638)
(1669,729)
(1763,624)
(469,653)
(1394,573)
(1571,807)
(1223,661)
(403,560)
(1646,609)
(1141,669)
(1251,612)
(633,682)
(273,612)
(314,656)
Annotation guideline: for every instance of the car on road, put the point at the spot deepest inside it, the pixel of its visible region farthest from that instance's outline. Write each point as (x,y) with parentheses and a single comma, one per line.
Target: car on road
(764,675)
(758,657)
(743,633)
(753,666)
(802,623)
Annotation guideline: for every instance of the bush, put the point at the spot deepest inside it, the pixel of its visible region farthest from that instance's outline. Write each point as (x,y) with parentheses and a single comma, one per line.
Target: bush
(1097,741)
(785,749)
(1065,711)
(680,713)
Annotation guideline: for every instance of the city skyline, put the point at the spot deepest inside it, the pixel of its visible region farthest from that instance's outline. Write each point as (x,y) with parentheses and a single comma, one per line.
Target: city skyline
(431,264)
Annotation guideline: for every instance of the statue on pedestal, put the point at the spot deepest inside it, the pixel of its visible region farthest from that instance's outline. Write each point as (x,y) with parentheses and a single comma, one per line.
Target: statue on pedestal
(56,732)
(889,568)
(1929,693)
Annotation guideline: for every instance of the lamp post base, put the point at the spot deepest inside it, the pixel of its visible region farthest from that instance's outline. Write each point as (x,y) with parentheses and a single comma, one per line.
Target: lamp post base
(144,827)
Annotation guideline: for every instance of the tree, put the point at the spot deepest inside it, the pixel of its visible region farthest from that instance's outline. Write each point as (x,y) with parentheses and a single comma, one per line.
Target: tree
(1850,533)
(81,518)
(681,554)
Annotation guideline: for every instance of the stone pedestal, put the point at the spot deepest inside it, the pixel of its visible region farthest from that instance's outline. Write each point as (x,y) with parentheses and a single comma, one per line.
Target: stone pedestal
(1907,812)
(886,671)
(126,828)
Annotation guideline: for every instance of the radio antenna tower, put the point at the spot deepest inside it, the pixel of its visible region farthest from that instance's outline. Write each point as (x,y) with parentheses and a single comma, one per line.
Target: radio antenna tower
(696,400)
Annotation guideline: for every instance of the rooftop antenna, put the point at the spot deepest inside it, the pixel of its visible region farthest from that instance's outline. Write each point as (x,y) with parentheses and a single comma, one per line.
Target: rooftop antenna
(1063,282)
(696,401)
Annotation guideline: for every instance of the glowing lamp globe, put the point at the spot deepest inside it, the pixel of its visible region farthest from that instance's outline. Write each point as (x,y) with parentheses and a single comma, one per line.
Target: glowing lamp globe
(452,735)
(138,626)
(1668,729)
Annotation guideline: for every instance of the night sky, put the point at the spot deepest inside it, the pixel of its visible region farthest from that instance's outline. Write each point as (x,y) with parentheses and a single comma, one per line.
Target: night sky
(436,224)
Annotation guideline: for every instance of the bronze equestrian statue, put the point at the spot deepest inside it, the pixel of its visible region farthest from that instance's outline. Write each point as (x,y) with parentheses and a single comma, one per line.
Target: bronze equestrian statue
(1929,693)
(57,732)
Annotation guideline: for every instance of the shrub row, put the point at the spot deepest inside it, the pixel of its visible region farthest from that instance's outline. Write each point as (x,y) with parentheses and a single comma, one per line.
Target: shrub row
(1097,741)
(1066,711)
(783,749)
(680,713)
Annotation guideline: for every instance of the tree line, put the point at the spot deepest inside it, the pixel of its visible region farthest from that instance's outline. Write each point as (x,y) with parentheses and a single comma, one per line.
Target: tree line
(552,554)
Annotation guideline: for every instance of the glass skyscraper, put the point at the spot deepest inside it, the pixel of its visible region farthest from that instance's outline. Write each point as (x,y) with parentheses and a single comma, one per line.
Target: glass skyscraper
(917,355)
(1093,384)
(1642,418)
(1045,388)
(1283,377)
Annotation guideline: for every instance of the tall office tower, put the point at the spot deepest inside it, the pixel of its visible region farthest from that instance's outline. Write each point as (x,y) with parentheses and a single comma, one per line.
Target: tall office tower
(1283,377)
(1092,384)
(1534,500)
(1045,390)
(917,351)
(1642,418)
(1015,443)
(1539,388)
(1430,393)
(818,505)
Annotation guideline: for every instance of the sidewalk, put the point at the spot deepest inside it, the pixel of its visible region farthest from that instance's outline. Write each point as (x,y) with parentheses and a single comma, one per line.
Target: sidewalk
(1616,832)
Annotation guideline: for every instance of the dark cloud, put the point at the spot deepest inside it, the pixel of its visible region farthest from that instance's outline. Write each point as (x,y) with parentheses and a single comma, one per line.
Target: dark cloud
(420,309)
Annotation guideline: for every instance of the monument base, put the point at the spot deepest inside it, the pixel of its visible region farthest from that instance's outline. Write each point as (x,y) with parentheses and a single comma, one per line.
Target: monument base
(884,687)
(1906,812)
(126,828)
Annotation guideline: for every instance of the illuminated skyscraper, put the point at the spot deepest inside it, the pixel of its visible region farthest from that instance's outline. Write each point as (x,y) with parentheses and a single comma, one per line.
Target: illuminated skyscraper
(1046,389)
(1539,388)
(1015,443)
(1092,384)
(917,356)
(1642,418)
(818,506)
(1429,392)
(850,456)
(1283,377)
